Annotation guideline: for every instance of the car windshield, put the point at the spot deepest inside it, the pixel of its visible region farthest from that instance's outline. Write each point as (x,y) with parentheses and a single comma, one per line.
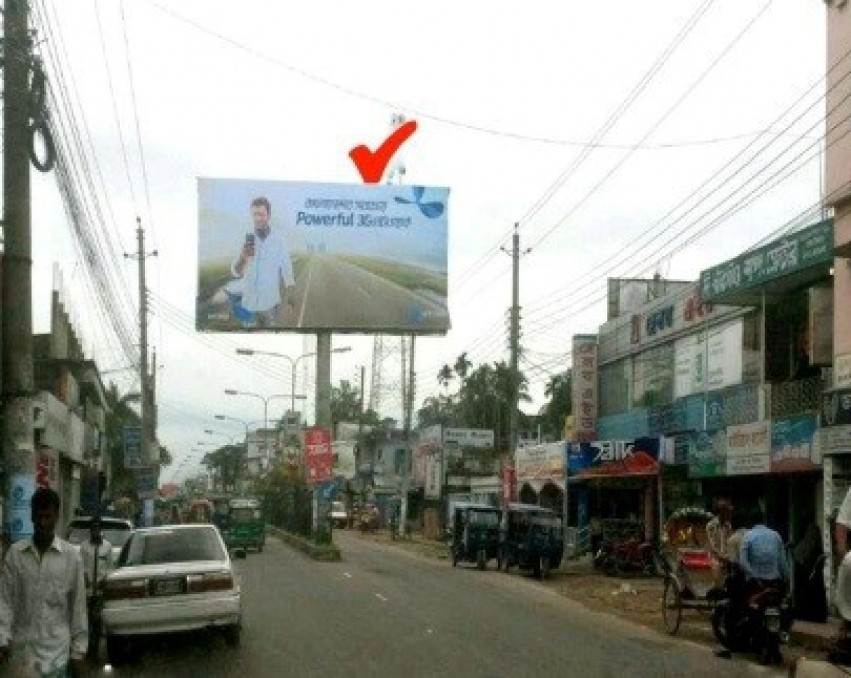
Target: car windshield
(172,546)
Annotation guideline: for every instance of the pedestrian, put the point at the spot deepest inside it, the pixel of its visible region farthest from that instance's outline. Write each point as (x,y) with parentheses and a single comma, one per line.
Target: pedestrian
(718,531)
(762,554)
(265,267)
(43,626)
(97,562)
(810,594)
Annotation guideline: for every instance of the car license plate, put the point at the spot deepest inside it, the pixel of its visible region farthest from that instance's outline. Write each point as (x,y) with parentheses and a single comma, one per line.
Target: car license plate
(168,587)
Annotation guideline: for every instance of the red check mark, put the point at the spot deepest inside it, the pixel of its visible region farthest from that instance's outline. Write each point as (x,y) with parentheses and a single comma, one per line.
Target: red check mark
(371,164)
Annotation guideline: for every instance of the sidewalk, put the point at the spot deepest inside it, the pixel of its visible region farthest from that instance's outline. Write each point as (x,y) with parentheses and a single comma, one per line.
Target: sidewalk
(637,599)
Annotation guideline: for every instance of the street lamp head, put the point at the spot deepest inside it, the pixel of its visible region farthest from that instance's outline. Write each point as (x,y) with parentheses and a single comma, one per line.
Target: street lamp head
(245,351)
(231,391)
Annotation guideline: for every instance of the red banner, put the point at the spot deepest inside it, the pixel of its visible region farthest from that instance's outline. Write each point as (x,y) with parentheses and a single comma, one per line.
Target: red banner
(509,483)
(318,455)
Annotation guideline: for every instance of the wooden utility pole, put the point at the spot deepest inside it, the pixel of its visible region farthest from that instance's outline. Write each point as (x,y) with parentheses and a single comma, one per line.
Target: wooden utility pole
(18,442)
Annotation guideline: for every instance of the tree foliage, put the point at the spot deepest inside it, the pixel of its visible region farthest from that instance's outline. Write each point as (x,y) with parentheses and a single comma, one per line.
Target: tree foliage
(558,406)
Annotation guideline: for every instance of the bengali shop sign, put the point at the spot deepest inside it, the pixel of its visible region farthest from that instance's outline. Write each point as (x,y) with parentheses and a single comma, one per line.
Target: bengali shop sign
(792,444)
(748,448)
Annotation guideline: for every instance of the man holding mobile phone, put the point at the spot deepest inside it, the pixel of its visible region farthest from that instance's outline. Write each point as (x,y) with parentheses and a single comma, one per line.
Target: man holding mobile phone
(265,266)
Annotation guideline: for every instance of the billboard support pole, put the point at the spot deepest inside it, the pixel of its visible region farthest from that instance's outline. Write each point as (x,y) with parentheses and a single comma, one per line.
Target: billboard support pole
(323,411)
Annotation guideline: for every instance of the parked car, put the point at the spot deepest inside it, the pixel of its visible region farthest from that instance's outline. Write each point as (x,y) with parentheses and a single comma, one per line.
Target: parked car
(115,530)
(171,579)
(339,515)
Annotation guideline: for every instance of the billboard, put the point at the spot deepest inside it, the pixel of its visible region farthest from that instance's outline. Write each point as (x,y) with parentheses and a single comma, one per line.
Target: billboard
(304,257)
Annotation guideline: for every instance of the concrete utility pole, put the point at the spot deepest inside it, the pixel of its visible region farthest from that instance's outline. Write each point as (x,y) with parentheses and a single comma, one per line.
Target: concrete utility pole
(150,452)
(514,338)
(18,442)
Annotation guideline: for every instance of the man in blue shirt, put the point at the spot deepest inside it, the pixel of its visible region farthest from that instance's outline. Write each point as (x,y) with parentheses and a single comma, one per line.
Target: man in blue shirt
(762,554)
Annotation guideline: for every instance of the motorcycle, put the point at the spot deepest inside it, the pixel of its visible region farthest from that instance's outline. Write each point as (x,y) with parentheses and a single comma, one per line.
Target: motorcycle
(629,555)
(757,621)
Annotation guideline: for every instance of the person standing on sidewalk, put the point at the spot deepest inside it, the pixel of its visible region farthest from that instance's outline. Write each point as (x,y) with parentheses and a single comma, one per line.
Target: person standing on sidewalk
(43,626)
(97,562)
(718,531)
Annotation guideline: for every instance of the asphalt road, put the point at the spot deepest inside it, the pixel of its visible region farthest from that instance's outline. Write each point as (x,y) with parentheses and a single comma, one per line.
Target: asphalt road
(385,612)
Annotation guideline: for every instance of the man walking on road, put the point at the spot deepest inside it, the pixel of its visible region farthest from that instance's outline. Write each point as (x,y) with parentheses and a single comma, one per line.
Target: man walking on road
(43,626)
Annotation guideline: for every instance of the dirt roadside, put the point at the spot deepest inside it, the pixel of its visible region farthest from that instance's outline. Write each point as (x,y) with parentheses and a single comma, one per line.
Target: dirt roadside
(632,598)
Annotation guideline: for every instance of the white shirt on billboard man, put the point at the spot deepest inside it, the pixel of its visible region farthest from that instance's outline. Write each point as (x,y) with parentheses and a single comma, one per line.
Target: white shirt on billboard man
(265,267)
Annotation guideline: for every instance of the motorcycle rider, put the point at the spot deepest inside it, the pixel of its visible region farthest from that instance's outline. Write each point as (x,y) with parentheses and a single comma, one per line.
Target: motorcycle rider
(762,557)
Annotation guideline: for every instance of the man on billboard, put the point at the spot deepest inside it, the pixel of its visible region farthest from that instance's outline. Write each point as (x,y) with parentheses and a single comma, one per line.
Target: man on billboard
(265,268)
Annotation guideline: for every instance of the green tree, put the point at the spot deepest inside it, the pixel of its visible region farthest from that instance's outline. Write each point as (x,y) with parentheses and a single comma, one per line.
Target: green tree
(558,406)
(345,403)
(440,409)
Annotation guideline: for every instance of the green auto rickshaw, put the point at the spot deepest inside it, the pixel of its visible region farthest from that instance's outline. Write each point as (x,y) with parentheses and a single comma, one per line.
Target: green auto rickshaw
(532,538)
(246,527)
(474,534)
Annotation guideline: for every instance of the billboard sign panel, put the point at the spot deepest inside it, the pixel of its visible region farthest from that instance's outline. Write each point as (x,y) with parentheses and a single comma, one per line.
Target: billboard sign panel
(304,257)
(468,437)
(147,480)
(749,448)
(793,443)
(318,454)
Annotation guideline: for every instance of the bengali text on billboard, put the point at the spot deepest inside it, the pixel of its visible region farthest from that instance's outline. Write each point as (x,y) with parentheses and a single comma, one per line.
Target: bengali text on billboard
(303,257)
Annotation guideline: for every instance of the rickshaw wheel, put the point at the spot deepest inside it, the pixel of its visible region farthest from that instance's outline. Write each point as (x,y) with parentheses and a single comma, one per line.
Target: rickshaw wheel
(672,606)
(545,567)
(481,561)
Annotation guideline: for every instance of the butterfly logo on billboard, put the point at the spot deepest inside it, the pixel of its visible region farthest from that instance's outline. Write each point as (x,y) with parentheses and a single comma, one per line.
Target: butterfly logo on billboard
(431,210)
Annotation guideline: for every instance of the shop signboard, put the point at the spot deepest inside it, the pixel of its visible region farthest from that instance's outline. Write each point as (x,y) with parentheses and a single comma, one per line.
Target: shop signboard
(509,482)
(792,441)
(19,521)
(842,371)
(748,448)
(132,438)
(434,476)
(318,455)
(468,437)
(540,462)
(46,468)
(707,455)
(584,385)
(615,458)
(836,408)
(785,256)
(835,440)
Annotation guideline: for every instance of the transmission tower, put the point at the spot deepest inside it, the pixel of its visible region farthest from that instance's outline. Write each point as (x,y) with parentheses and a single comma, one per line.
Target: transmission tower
(391,355)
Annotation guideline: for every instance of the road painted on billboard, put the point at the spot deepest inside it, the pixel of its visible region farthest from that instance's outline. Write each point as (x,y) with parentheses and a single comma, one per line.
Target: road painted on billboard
(338,294)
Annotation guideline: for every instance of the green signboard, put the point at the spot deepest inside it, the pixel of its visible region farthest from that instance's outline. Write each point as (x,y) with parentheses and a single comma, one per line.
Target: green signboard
(707,454)
(787,255)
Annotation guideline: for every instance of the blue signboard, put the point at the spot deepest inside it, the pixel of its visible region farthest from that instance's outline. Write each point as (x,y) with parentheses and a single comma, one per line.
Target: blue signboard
(132,438)
(614,457)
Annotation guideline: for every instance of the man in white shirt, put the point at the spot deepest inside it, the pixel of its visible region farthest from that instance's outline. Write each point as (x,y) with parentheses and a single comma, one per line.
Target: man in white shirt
(97,562)
(843,524)
(265,267)
(43,626)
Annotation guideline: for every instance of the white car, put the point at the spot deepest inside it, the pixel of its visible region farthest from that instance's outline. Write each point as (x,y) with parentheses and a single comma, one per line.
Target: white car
(171,579)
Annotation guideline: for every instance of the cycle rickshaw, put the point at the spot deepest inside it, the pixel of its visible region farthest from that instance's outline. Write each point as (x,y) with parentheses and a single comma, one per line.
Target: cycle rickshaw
(687,563)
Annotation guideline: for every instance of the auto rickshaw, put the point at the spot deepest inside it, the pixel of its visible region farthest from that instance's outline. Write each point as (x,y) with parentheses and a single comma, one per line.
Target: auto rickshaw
(532,538)
(246,527)
(474,531)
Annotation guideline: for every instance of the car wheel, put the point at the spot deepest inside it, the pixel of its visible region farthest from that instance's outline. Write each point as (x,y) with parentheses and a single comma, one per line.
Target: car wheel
(260,548)
(233,634)
(118,649)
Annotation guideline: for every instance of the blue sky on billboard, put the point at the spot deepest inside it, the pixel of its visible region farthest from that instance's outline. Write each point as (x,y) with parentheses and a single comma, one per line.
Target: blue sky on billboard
(587,123)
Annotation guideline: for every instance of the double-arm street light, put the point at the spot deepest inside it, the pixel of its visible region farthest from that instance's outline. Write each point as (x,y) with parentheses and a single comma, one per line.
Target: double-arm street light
(293,364)
(234,392)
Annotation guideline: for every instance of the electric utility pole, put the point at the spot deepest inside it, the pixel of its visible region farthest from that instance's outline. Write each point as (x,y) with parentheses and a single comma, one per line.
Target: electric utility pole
(514,338)
(147,437)
(18,439)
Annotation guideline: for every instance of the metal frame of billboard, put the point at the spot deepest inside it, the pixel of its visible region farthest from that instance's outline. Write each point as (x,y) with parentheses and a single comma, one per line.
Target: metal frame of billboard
(344,258)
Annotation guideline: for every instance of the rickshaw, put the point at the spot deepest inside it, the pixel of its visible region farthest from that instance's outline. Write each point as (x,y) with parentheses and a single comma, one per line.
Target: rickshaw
(246,527)
(532,538)
(687,563)
(474,531)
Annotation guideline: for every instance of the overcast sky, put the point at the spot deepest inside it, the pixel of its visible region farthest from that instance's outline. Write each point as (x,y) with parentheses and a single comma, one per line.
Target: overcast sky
(506,95)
